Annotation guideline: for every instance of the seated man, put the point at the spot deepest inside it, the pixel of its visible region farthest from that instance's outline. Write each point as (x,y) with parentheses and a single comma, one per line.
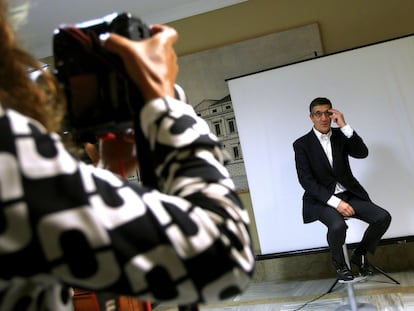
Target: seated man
(332,193)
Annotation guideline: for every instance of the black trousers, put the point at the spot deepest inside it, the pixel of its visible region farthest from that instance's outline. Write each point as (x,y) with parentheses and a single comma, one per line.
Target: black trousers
(378,220)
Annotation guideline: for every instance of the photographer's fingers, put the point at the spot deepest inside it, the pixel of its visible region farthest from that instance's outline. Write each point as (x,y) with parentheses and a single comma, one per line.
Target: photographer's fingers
(117,154)
(151,63)
(92,152)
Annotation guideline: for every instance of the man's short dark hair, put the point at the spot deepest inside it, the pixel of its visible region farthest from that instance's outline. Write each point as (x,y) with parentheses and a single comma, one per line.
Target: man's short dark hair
(318,101)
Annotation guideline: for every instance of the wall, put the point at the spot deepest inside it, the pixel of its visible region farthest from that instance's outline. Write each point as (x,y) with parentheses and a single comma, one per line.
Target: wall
(343,25)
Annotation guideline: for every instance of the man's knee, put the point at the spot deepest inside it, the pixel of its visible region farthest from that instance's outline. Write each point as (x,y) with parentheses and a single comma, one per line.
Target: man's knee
(382,219)
(386,218)
(338,229)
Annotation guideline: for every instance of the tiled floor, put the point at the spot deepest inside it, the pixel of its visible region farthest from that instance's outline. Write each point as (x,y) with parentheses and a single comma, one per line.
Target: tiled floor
(377,291)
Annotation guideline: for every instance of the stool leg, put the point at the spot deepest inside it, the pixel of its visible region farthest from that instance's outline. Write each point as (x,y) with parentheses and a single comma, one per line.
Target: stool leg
(345,250)
(351,296)
(353,305)
(350,286)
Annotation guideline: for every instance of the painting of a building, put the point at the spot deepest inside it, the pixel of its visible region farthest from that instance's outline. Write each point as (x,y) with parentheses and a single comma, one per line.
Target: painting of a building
(219,115)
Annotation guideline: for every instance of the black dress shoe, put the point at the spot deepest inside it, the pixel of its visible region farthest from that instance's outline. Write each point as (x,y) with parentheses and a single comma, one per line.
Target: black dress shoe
(344,274)
(361,261)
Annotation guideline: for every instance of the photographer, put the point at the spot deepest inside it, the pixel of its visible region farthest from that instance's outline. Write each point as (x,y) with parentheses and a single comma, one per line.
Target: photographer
(65,224)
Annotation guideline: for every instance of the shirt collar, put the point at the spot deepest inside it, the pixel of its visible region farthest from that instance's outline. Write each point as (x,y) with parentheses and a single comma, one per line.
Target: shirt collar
(322,136)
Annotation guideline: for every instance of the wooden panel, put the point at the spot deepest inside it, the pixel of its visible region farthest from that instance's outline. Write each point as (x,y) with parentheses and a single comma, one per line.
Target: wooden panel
(87,301)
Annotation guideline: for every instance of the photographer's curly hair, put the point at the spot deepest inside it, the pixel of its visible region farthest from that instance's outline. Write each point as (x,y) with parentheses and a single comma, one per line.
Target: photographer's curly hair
(42,101)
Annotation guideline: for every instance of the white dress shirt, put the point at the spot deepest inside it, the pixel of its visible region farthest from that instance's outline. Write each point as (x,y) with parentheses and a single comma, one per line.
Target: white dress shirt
(325,140)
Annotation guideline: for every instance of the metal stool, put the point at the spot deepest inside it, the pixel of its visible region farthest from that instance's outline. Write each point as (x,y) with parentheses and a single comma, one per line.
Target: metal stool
(353,304)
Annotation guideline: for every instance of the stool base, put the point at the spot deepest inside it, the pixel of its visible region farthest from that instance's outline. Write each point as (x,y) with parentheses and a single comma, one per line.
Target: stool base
(360,307)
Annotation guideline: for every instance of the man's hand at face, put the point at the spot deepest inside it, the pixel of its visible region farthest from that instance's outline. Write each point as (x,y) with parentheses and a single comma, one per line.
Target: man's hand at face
(337,117)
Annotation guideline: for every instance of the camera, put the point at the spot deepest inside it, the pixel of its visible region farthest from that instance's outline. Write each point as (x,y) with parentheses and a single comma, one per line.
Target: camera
(100,95)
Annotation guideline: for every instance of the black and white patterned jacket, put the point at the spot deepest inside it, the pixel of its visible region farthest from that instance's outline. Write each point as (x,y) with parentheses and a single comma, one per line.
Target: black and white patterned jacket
(64,223)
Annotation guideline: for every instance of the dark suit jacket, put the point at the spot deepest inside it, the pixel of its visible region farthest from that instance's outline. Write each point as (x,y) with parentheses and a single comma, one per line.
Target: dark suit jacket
(316,175)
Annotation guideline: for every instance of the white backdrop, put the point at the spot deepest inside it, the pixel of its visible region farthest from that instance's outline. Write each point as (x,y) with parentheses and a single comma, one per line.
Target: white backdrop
(374,87)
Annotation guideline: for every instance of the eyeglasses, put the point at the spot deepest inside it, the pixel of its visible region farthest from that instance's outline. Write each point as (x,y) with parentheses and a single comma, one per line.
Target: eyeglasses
(318,114)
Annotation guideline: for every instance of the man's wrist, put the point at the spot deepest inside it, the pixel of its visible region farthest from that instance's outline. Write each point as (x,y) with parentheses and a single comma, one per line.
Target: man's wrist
(347,130)
(334,201)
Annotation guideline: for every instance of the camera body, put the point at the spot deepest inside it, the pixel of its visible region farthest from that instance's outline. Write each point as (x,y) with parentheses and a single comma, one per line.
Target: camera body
(100,95)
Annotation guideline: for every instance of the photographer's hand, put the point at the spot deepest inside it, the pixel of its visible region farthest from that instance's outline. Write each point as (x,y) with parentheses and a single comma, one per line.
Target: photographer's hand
(151,63)
(117,153)
(92,151)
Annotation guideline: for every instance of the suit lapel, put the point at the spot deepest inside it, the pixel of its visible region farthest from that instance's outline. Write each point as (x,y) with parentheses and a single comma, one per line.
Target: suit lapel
(334,146)
(317,147)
